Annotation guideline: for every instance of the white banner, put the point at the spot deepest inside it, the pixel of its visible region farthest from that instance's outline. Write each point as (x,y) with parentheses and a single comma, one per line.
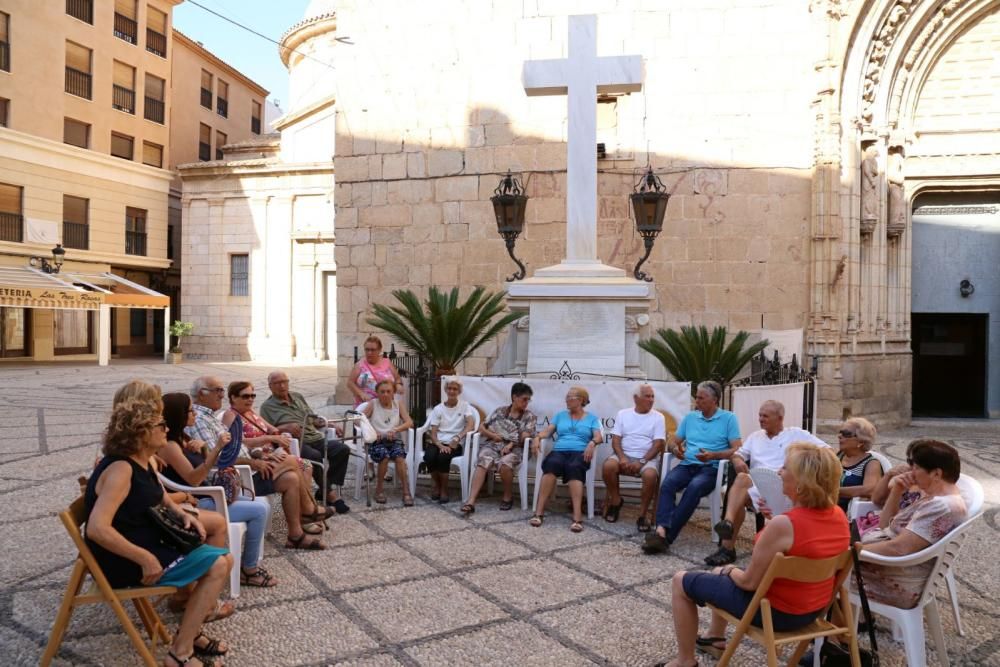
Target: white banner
(607,397)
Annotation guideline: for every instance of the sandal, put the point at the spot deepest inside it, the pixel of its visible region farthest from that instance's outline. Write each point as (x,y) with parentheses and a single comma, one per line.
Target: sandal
(468,509)
(537,520)
(320,514)
(185,661)
(724,529)
(435,497)
(313,528)
(643,525)
(211,646)
(505,505)
(611,516)
(709,645)
(722,556)
(259,579)
(301,542)
(576,527)
(222,610)
(380,498)
(407,501)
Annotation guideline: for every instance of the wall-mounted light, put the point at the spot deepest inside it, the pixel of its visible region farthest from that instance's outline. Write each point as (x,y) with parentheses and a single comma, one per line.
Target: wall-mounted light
(58,254)
(966,288)
(509,203)
(649,204)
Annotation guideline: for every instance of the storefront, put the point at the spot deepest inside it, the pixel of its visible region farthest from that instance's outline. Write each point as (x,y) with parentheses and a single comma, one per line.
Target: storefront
(47,316)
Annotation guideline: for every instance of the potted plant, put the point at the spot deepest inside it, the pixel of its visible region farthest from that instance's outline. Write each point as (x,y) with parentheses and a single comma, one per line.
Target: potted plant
(179,330)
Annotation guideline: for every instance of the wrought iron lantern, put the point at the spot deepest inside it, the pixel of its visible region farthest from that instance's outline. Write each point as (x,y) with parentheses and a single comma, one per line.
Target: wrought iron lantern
(649,204)
(509,202)
(58,254)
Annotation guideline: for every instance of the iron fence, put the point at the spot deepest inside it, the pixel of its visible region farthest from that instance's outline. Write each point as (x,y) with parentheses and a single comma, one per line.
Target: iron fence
(154,110)
(76,235)
(125,28)
(11,227)
(764,371)
(122,98)
(156,43)
(78,83)
(81,9)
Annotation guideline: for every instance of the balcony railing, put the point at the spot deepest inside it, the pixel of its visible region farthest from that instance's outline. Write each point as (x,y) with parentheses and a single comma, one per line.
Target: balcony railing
(125,28)
(154,110)
(76,235)
(135,243)
(81,9)
(255,125)
(156,43)
(206,98)
(11,227)
(222,107)
(77,83)
(204,151)
(5,56)
(122,98)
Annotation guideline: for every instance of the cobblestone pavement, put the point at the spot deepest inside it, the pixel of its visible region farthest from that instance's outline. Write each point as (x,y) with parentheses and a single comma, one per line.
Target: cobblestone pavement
(413,586)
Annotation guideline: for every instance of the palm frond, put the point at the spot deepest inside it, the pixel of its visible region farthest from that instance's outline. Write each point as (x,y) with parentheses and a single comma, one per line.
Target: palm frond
(694,354)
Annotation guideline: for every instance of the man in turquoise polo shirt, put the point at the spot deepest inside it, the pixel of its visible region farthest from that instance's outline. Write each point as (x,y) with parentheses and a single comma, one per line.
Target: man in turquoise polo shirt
(706,436)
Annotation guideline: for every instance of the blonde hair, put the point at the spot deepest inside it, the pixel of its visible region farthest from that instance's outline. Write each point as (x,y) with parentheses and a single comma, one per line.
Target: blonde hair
(582,393)
(865,431)
(817,471)
(138,390)
(128,428)
(374,339)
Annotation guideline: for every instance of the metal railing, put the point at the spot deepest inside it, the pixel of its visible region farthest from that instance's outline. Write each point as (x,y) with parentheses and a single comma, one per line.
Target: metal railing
(76,235)
(204,151)
(11,227)
(81,9)
(154,109)
(135,243)
(122,98)
(5,56)
(78,83)
(156,43)
(764,371)
(125,28)
(255,125)
(222,107)
(206,98)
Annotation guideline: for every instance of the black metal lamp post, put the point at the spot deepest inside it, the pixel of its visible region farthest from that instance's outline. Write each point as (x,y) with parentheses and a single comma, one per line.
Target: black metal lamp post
(58,254)
(509,202)
(649,204)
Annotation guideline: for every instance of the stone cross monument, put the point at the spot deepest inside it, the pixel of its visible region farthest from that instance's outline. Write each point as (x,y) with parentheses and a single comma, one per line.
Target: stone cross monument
(580,310)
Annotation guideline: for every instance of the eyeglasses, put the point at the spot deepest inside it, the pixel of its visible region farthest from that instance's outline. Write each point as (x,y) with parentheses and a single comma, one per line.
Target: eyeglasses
(848,434)
(214,390)
(248,396)
(162,424)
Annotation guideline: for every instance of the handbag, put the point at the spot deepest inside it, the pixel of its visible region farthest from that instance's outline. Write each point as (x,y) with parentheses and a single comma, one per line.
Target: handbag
(368,432)
(231,482)
(172,532)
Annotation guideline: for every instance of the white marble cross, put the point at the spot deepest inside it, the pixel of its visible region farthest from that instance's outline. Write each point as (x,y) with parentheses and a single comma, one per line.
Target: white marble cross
(581,76)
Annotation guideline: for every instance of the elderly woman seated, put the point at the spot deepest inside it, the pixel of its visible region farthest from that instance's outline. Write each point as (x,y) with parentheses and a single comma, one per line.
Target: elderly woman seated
(577,436)
(126,542)
(861,470)
(450,421)
(934,470)
(815,528)
(390,419)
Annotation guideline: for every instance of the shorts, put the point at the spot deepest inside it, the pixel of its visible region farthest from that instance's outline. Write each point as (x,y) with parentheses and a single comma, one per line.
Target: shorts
(648,465)
(489,455)
(190,567)
(380,450)
(569,465)
(722,592)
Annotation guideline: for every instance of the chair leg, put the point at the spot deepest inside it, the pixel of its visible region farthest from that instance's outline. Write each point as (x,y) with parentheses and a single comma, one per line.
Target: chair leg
(953,594)
(64,614)
(130,630)
(914,640)
(934,625)
(147,621)
(590,493)
(522,481)
(800,650)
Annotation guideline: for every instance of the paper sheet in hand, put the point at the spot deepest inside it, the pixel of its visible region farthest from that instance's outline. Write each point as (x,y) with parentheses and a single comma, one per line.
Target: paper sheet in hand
(767,485)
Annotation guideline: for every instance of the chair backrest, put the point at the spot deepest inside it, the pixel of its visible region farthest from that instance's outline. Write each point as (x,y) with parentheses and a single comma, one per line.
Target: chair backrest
(972,492)
(73,519)
(804,570)
(883,460)
(946,551)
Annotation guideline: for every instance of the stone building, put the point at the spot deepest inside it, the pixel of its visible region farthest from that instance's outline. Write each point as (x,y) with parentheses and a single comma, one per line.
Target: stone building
(800,140)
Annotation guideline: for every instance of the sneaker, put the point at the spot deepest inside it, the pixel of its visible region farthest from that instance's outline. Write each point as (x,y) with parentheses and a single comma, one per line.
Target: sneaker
(723,556)
(655,544)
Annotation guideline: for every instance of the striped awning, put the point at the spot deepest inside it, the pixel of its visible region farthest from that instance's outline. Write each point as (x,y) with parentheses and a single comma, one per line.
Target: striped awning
(26,287)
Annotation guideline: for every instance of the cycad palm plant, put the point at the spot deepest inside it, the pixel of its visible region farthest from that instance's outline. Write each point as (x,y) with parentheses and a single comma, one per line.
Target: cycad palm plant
(442,329)
(695,355)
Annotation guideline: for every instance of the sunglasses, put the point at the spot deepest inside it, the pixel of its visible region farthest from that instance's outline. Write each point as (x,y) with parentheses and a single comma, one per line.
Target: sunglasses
(162,424)
(248,396)
(848,434)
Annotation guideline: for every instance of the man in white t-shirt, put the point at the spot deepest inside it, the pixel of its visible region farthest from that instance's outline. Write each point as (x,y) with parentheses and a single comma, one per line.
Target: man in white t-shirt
(637,439)
(761,449)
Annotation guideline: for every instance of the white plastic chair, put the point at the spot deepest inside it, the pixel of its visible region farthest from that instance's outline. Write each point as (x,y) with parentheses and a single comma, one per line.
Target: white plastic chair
(544,448)
(360,472)
(522,470)
(461,462)
(972,492)
(715,497)
(910,622)
(236,529)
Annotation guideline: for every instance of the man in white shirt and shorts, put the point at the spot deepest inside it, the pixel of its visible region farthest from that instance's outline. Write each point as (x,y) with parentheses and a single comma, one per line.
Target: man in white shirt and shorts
(637,439)
(761,449)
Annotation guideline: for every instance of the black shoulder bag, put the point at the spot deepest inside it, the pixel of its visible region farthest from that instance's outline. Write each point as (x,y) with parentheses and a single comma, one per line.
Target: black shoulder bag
(172,532)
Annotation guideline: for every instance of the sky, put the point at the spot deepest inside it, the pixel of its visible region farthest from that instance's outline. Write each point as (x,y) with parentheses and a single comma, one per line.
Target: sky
(255,57)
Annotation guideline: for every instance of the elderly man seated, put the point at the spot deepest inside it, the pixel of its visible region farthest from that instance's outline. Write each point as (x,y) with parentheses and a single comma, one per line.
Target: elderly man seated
(762,449)
(290,413)
(637,439)
(708,434)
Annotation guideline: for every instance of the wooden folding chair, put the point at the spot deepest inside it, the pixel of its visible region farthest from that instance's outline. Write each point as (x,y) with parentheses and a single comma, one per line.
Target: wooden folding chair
(100,591)
(803,570)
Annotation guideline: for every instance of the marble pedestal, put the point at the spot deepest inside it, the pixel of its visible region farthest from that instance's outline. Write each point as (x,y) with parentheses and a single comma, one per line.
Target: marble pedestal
(592,322)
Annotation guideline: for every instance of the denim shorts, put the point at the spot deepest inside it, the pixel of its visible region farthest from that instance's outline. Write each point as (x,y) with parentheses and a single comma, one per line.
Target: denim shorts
(569,465)
(722,592)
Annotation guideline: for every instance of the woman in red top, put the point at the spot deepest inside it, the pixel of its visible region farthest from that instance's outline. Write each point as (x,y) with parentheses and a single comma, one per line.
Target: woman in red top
(815,527)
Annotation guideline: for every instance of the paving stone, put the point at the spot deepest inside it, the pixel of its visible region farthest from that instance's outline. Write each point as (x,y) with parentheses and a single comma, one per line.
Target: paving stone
(379,660)
(364,565)
(553,534)
(623,562)
(409,521)
(534,584)
(466,548)
(421,608)
(513,643)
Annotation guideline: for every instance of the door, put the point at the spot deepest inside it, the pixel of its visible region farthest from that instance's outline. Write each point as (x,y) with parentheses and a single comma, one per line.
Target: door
(949,364)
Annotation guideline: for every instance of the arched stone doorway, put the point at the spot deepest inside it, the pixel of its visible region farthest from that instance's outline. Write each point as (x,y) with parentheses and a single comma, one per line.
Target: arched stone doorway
(907,112)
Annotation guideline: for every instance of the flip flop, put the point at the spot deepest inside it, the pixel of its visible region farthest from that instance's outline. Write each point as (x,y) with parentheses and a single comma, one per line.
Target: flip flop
(505,505)
(222,610)
(708,645)
(537,520)
(313,528)
(301,542)
(211,646)
(380,498)
(468,509)
(576,527)
(643,525)
(611,516)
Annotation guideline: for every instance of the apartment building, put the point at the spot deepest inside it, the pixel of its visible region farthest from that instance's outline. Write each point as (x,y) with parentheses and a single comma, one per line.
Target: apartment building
(88,144)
